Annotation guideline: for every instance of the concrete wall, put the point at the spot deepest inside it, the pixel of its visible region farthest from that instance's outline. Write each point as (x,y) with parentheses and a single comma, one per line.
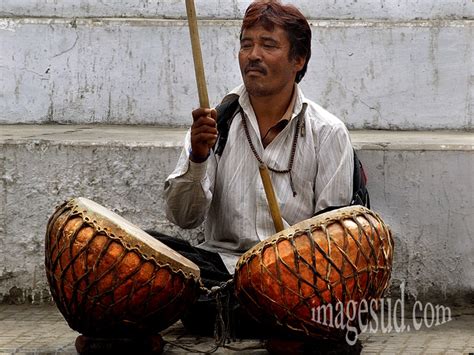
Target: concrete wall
(426,197)
(325,9)
(420,183)
(41,168)
(381,64)
(376,64)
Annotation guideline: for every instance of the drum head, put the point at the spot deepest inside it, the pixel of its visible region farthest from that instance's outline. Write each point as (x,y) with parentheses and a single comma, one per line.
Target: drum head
(133,237)
(306,224)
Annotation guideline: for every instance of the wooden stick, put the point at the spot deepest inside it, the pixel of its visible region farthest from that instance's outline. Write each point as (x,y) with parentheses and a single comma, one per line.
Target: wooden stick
(271,198)
(197,54)
(204,102)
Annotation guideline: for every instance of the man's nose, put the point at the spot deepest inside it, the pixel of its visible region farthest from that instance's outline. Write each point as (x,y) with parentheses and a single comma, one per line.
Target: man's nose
(255,53)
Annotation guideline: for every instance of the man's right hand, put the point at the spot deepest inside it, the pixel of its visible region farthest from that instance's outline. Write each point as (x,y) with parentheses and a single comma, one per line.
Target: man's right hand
(203,133)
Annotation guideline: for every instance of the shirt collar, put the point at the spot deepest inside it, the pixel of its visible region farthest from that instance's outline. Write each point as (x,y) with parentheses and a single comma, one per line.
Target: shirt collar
(291,107)
(294,109)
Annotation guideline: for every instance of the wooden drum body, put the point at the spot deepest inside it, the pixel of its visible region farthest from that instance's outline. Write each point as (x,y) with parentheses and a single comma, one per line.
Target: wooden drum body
(110,278)
(340,256)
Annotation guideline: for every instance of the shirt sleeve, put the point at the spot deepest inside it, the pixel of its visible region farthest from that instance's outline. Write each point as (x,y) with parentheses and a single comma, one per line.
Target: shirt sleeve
(188,190)
(335,170)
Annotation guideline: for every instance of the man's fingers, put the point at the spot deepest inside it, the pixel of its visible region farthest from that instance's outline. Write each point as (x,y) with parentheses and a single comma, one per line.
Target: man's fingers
(214,114)
(197,113)
(204,129)
(209,138)
(204,121)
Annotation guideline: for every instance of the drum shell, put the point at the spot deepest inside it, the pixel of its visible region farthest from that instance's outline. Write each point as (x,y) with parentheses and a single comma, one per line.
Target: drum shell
(341,256)
(107,287)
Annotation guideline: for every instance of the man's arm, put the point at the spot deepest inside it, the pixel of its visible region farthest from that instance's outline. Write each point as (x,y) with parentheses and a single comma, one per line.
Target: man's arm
(333,183)
(188,189)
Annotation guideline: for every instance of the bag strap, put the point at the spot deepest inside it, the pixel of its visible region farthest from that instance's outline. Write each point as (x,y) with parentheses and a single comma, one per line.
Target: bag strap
(226,111)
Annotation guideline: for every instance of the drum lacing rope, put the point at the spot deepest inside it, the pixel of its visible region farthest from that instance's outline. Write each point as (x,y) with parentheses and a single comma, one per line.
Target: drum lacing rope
(222,325)
(222,294)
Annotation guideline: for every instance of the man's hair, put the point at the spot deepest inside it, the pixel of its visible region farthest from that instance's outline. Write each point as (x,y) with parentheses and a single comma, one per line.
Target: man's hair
(269,14)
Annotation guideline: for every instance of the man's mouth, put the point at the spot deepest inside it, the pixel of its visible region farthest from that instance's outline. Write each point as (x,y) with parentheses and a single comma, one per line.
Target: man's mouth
(255,69)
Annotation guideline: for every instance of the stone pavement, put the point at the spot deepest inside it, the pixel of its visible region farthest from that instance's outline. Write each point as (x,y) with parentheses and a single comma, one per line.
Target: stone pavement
(28,329)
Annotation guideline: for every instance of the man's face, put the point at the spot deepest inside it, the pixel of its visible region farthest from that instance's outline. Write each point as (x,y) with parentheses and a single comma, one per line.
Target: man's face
(264,61)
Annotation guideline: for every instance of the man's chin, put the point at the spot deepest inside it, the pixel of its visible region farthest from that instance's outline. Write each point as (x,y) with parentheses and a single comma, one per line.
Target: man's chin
(256,89)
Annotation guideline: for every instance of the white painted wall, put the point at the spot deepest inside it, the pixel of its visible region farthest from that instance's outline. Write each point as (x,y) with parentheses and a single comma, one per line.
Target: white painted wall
(326,9)
(426,197)
(392,64)
(381,75)
(420,183)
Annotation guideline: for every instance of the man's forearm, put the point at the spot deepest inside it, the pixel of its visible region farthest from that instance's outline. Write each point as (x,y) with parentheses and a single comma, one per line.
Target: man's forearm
(188,197)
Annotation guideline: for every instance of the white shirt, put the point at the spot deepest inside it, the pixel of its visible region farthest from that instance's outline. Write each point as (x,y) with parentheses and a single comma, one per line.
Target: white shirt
(227,193)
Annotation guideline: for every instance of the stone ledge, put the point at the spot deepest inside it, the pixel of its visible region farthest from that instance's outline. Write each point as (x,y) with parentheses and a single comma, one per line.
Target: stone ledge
(154,136)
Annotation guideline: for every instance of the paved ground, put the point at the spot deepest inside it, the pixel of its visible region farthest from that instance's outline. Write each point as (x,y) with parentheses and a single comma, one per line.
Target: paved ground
(42,330)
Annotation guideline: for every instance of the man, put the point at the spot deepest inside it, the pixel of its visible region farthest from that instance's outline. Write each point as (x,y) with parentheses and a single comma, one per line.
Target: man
(307,150)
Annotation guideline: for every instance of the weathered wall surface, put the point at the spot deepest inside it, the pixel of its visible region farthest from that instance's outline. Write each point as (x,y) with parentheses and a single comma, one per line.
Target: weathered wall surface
(326,9)
(426,197)
(375,64)
(380,64)
(39,172)
(421,184)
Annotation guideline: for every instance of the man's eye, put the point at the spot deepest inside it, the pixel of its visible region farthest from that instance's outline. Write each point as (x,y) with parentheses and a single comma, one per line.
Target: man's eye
(269,45)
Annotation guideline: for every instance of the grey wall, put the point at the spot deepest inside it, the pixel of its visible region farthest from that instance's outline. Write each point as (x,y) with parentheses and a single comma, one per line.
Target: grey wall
(376,64)
(123,169)
(426,198)
(326,9)
(421,184)
(379,64)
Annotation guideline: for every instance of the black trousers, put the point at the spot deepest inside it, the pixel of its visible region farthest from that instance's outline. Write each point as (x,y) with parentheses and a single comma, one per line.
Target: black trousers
(213,270)
(201,317)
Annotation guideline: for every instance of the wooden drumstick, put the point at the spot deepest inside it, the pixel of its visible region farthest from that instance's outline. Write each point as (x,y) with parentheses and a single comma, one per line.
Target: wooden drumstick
(271,198)
(204,102)
(197,54)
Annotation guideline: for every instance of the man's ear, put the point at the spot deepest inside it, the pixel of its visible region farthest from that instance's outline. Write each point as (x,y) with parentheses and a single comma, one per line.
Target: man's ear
(299,63)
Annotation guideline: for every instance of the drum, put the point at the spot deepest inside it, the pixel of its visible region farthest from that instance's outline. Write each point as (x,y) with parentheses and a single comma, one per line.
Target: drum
(111,279)
(304,277)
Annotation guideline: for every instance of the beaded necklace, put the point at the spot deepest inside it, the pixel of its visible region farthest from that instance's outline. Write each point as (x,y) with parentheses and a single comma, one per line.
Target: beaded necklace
(292,154)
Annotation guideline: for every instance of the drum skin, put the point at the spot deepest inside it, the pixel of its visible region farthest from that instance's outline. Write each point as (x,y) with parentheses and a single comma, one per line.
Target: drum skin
(107,282)
(337,257)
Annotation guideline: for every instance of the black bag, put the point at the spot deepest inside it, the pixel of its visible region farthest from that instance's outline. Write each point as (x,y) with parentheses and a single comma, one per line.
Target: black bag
(360,194)
(226,111)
